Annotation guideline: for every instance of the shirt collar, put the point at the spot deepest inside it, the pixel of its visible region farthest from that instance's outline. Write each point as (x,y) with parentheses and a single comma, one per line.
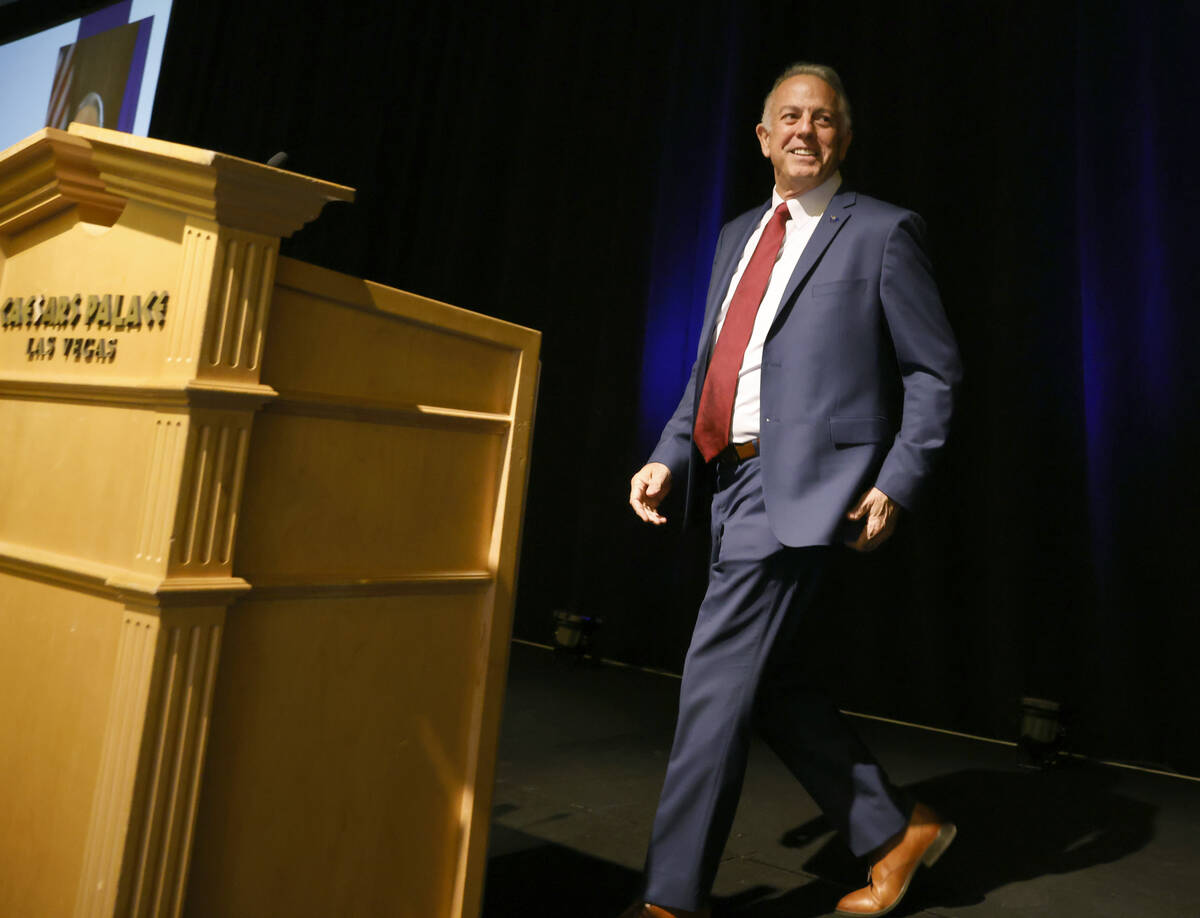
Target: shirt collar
(813,202)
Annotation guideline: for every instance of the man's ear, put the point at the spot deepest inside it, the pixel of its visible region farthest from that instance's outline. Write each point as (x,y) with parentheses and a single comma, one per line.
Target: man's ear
(764,139)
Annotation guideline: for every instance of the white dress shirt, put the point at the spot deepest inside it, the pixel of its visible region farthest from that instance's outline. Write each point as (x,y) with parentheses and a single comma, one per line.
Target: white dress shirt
(806,212)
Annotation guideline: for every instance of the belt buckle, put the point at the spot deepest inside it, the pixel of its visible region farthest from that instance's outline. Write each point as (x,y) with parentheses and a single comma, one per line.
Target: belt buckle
(747,450)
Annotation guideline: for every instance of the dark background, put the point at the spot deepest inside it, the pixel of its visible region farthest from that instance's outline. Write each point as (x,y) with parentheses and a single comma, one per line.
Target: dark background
(568,169)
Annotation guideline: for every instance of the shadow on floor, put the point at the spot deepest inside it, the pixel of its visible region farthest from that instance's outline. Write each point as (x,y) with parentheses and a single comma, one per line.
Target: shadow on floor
(1013,827)
(540,879)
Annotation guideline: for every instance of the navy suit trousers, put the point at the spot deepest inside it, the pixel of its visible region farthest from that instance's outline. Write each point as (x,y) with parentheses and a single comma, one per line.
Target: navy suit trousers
(742,673)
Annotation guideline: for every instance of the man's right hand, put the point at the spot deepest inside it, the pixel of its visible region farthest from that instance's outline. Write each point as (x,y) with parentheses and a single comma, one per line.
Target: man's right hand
(647,489)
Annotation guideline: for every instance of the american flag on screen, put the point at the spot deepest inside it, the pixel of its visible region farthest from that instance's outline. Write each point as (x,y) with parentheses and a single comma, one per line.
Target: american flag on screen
(58,113)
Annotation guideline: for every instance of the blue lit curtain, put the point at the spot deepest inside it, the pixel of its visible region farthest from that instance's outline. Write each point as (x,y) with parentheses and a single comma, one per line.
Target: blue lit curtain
(1136,199)
(696,133)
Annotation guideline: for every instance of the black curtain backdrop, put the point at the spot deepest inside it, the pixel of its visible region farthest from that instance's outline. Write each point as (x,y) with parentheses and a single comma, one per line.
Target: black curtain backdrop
(535,162)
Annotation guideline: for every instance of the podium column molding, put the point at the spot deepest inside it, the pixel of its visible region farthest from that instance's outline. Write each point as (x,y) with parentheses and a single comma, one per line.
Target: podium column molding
(224,292)
(143,811)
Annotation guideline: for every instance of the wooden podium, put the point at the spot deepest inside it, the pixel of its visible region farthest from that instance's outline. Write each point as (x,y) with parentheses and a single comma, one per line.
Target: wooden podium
(259,526)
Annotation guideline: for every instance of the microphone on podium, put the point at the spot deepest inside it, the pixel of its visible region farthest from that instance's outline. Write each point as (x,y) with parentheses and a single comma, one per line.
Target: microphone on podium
(279,160)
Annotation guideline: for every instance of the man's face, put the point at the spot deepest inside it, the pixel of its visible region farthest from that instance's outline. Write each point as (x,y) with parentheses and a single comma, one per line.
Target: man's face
(803,136)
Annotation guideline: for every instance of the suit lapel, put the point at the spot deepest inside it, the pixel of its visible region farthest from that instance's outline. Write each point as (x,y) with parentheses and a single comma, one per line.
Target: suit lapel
(836,216)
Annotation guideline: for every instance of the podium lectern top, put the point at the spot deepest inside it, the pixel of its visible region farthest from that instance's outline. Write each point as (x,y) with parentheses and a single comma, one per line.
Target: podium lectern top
(99,170)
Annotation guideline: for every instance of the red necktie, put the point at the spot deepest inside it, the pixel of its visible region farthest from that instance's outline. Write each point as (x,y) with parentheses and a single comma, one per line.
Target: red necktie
(715,414)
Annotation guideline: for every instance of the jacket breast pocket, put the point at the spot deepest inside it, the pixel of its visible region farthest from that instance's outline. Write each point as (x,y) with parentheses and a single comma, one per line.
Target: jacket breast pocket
(853,431)
(841,288)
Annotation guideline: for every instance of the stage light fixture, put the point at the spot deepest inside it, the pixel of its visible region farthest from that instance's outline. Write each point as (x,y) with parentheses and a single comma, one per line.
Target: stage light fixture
(1041,731)
(573,632)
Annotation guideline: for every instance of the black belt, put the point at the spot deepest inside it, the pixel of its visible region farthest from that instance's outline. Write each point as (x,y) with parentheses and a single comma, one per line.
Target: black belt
(736,453)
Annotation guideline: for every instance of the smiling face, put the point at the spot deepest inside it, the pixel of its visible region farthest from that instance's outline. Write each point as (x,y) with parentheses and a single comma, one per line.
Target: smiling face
(803,134)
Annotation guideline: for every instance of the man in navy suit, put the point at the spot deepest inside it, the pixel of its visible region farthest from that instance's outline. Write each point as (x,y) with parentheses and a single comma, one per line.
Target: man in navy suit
(820,396)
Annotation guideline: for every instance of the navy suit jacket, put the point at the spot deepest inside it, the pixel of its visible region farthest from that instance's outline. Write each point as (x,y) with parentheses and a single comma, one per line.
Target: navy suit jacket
(858,372)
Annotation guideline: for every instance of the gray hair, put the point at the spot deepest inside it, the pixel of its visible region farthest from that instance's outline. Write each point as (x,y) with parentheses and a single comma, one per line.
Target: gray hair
(821,71)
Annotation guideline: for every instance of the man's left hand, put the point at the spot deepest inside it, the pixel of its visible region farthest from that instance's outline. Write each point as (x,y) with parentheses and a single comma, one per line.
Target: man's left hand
(881,513)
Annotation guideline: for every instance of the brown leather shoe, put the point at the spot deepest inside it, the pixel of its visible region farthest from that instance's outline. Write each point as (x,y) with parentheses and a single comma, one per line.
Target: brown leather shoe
(923,841)
(646,910)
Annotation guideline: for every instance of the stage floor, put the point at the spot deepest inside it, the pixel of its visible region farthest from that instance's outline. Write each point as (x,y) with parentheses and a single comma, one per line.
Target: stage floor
(583,750)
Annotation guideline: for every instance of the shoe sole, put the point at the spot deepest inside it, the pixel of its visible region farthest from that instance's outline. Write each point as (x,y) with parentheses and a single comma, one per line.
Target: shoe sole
(937,847)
